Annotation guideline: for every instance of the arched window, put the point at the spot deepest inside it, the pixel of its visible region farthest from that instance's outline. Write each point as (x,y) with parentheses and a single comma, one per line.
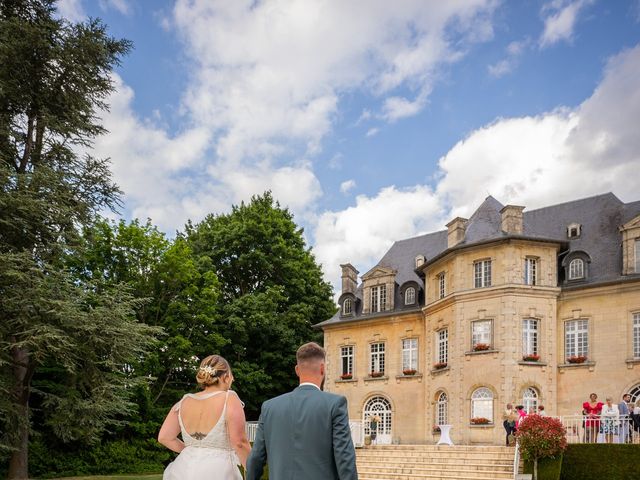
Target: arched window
(530,400)
(410,296)
(635,394)
(380,408)
(576,269)
(442,409)
(347,307)
(482,404)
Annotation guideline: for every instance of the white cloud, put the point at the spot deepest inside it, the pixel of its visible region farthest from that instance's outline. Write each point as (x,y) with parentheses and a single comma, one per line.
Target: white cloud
(347,186)
(533,161)
(122,6)
(507,65)
(396,108)
(72,10)
(560,18)
(372,132)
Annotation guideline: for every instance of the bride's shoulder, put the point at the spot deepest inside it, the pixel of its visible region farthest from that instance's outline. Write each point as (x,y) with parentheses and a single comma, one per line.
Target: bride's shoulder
(234,397)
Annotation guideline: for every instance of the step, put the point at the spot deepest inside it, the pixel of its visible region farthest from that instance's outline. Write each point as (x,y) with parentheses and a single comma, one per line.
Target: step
(436,466)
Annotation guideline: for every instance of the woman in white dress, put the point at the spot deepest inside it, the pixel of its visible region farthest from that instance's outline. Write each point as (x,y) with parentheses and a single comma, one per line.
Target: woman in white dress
(212,425)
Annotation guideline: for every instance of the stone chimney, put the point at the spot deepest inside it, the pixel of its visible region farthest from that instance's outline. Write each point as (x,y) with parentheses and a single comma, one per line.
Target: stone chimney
(349,278)
(512,219)
(456,230)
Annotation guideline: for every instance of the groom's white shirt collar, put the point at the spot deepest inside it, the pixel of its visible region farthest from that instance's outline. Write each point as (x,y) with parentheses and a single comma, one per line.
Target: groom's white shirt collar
(309,383)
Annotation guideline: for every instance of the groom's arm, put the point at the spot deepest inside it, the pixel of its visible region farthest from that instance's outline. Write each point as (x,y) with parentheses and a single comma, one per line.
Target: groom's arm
(343,452)
(258,456)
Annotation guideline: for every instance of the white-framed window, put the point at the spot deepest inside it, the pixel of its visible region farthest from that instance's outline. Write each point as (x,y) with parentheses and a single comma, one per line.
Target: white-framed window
(576,338)
(574,230)
(410,296)
(378,298)
(346,356)
(482,403)
(636,335)
(530,271)
(481,332)
(410,354)
(377,357)
(347,307)
(530,400)
(637,253)
(482,273)
(530,336)
(442,349)
(576,269)
(442,286)
(442,409)
(419,260)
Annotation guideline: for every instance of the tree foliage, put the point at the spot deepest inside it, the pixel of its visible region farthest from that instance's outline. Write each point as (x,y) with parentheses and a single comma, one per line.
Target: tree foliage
(540,437)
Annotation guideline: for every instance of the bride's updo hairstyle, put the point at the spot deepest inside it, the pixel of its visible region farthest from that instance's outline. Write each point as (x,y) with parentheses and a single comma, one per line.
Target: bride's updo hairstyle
(211,370)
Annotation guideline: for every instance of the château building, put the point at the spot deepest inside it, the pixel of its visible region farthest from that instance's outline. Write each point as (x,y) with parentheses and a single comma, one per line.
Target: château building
(538,307)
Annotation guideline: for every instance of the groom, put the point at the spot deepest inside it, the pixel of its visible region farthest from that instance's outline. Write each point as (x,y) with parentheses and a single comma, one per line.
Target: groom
(304,434)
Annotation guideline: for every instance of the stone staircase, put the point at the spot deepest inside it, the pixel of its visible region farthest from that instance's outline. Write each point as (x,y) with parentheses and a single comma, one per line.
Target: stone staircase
(434,462)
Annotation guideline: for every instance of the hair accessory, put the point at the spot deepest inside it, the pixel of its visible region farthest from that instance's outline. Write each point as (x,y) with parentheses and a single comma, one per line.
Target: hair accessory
(209,369)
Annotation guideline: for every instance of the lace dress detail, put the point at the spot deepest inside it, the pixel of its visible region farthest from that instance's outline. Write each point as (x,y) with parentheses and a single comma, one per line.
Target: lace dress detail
(208,458)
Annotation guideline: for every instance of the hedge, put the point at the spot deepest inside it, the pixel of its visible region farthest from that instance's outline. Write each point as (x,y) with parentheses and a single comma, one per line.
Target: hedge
(597,461)
(548,468)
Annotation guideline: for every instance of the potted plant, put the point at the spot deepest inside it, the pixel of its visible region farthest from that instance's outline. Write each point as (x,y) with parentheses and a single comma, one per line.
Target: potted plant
(532,357)
(481,347)
(576,359)
(409,371)
(376,374)
(480,421)
(346,376)
(541,437)
(439,365)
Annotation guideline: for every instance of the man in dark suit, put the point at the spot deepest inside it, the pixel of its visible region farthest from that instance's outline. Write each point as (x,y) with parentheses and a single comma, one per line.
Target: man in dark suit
(304,434)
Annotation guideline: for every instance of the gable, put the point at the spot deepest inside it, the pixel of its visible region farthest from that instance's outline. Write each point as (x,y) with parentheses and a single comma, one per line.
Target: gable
(378,271)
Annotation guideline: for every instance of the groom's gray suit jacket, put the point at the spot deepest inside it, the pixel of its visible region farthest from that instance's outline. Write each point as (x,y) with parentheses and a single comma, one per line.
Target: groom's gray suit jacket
(304,435)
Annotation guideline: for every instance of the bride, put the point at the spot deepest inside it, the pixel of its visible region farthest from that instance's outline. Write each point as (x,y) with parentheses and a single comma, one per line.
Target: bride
(212,425)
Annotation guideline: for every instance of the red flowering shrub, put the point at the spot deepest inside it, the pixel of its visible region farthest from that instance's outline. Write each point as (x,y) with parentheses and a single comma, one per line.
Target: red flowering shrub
(541,437)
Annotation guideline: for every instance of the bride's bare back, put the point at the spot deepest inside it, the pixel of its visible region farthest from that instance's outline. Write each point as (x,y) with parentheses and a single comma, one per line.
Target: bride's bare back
(200,415)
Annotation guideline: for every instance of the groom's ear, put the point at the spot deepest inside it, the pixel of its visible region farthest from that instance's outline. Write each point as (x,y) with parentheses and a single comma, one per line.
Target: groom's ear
(322,369)
(297,371)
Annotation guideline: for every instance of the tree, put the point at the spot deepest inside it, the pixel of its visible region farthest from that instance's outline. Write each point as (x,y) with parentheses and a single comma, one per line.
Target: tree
(540,437)
(272,293)
(54,79)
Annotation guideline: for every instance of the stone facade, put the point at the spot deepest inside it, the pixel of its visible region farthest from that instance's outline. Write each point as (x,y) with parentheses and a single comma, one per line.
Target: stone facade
(496,323)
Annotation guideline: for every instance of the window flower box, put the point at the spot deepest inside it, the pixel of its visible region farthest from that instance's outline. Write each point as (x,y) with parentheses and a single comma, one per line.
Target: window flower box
(481,347)
(346,376)
(576,359)
(439,365)
(435,429)
(531,358)
(376,374)
(409,371)
(480,421)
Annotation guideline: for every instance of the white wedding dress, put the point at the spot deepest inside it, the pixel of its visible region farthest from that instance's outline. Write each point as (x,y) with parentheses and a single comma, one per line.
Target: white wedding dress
(210,458)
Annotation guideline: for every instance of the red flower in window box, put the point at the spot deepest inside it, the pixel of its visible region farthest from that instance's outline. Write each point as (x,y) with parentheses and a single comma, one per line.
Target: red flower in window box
(439,365)
(481,347)
(346,376)
(377,374)
(409,371)
(577,359)
(531,358)
(480,421)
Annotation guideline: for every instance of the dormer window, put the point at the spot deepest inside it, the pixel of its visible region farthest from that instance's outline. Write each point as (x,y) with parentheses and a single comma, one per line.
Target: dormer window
(378,298)
(347,307)
(576,269)
(574,230)
(420,260)
(410,296)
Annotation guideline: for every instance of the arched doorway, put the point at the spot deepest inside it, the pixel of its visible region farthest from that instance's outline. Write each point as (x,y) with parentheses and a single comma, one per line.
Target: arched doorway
(380,407)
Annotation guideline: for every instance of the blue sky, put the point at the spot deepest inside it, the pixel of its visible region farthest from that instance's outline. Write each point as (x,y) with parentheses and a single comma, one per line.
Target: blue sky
(372,120)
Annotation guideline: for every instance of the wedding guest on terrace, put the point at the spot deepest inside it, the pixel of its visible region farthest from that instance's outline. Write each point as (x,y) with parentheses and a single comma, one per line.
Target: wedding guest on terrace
(521,414)
(541,411)
(609,420)
(591,412)
(509,417)
(625,408)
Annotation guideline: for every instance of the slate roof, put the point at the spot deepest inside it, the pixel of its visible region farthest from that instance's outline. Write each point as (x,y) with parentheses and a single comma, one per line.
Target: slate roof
(600,217)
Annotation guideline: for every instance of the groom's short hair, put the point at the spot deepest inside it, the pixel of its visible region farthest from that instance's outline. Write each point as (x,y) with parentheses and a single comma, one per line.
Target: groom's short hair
(310,352)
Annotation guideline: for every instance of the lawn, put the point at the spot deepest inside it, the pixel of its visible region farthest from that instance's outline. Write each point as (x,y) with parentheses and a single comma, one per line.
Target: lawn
(119,477)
